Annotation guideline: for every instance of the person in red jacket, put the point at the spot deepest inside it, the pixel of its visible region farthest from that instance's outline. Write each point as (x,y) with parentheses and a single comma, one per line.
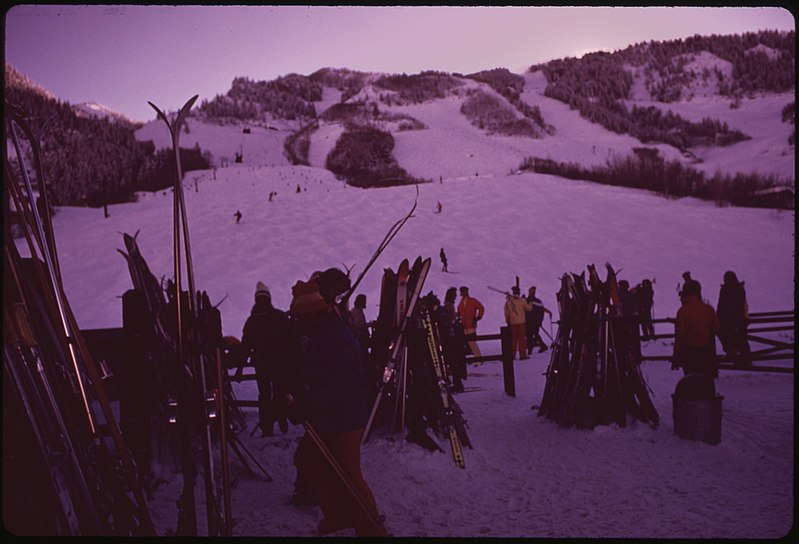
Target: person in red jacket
(470,310)
(695,330)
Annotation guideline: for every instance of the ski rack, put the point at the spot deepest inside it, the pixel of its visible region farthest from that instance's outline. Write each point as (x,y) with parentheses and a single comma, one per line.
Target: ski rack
(37,229)
(397,348)
(196,369)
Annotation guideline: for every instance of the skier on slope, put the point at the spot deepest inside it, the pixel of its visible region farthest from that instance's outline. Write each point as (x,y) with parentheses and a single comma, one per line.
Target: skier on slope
(515,311)
(264,343)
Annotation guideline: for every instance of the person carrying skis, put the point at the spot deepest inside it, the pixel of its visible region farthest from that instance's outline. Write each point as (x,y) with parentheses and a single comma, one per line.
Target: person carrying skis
(733,312)
(264,343)
(516,309)
(331,397)
(534,319)
(470,311)
(695,330)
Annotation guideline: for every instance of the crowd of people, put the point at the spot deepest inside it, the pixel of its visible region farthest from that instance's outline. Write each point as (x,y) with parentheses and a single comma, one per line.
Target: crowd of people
(312,365)
(697,326)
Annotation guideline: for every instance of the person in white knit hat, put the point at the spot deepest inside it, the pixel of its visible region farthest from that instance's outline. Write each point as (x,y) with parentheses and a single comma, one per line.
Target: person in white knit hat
(264,342)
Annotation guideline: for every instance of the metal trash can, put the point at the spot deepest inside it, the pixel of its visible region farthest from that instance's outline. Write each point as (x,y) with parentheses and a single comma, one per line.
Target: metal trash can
(696,408)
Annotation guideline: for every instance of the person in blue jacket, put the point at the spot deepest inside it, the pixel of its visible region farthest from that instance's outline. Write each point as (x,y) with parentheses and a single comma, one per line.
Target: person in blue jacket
(332,398)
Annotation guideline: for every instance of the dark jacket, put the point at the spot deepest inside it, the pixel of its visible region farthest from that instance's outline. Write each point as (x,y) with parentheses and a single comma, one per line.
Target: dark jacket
(264,338)
(732,308)
(334,377)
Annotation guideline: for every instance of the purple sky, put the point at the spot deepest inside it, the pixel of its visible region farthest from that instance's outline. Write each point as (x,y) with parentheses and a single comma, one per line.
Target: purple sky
(124,56)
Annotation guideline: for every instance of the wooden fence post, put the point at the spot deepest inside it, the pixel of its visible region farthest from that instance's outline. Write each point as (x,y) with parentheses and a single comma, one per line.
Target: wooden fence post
(507,361)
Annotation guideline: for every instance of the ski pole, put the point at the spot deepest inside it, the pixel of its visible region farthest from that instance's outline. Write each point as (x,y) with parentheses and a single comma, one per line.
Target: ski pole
(373,516)
(220,379)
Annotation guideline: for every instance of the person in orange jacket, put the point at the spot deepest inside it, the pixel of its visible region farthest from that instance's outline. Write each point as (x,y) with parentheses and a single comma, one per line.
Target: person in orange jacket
(695,330)
(470,310)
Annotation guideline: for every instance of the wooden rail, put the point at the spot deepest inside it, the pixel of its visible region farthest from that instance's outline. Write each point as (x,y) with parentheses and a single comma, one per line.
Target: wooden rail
(759,322)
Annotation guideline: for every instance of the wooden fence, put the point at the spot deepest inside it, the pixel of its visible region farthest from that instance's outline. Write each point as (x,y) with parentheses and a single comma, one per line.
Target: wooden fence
(759,323)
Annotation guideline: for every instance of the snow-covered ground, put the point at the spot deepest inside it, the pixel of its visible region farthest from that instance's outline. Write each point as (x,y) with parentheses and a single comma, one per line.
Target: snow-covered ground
(525,477)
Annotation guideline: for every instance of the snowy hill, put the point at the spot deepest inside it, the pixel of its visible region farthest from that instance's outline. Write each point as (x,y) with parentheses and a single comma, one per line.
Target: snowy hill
(449,146)
(93,109)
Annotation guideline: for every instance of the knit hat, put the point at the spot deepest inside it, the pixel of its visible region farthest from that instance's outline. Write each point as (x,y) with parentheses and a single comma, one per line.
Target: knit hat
(332,283)
(262,290)
(515,290)
(307,298)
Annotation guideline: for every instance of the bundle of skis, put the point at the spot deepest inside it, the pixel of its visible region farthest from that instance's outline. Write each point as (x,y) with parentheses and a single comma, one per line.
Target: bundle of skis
(411,378)
(181,336)
(67,470)
(594,377)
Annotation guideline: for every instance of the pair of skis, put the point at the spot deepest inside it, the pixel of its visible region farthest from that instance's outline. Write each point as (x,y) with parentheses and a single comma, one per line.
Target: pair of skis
(451,417)
(397,343)
(192,380)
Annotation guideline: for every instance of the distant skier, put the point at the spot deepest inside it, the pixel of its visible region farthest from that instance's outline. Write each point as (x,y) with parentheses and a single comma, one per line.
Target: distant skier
(443,257)
(237,215)
(439,207)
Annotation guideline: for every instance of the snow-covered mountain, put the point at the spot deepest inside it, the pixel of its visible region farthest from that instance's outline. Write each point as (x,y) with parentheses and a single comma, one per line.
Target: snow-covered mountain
(94,109)
(434,139)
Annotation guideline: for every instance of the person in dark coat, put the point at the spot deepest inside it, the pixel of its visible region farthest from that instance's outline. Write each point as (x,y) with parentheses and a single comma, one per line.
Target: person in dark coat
(534,320)
(646,300)
(629,314)
(733,313)
(332,398)
(359,323)
(695,330)
(264,342)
